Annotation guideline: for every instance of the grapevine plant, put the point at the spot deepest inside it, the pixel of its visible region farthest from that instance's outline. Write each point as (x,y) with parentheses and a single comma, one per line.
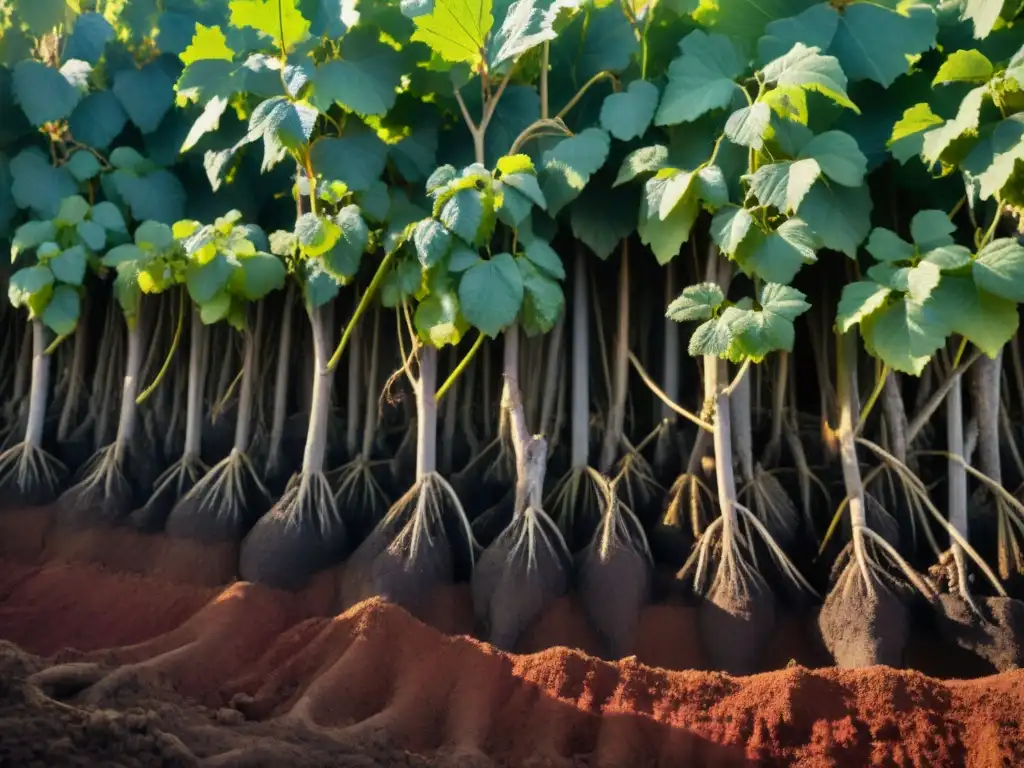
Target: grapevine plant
(406,285)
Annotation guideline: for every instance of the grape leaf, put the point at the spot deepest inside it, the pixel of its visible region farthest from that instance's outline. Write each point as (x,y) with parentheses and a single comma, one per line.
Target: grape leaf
(643,160)
(874,43)
(968,66)
(63,310)
(986,320)
(437,319)
(465,215)
(456,30)
(261,274)
(859,300)
(702,79)
(88,39)
(983,14)
(364,81)
(98,120)
(28,282)
(567,168)
(316,234)
(814,27)
(543,299)
(907,138)
(628,114)
(208,43)
(747,126)
(784,184)
(780,255)
(807,69)
(711,338)
(357,159)
(1007,150)
(491,294)
(432,242)
(527,24)
(937,140)
(904,335)
(145,94)
(43,93)
(999,269)
(279,20)
(696,302)
(841,216)
(931,229)
(69,266)
(730,227)
(38,185)
(838,156)
(887,247)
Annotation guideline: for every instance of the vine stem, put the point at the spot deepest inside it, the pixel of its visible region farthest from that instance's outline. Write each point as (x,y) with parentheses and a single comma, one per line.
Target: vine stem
(364,304)
(40,386)
(458,370)
(319,413)
(846,364)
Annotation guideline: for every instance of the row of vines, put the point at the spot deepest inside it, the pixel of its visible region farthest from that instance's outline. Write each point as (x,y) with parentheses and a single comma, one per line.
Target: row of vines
(540,294)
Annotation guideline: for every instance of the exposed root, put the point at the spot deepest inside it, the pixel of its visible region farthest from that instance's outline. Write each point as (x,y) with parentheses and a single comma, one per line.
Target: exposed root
(31,473)
(616,573)
(221,505)
(410,551)
(177,480)
(104,496)
(772,505)
(359,491)
(635,480)
(301,535)
(576,503)
(518,575)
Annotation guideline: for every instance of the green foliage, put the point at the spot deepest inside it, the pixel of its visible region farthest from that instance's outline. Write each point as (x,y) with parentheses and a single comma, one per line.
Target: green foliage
(408,136)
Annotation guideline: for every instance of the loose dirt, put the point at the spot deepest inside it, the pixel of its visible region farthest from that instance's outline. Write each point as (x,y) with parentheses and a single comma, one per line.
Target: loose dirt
(108,668)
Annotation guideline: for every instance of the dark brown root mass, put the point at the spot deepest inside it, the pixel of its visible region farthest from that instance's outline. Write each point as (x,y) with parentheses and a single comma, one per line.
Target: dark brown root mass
(291,543)
(995,638)
(736,621)
(517,577)
(862,627)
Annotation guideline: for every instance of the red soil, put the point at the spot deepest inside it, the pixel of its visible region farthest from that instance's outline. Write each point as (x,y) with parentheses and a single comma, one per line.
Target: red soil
(285,683)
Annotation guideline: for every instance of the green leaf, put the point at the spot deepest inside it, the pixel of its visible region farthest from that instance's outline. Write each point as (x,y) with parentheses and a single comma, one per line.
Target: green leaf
(838,156)
(109,217)
(888,247)
(779,256)
(712,338)
(158,195)
(261,274)
(784,184)
(999,269)
(987,321)
(527,24)
(1007,150)
(456,30)
(747,126)
(98,120)
(28,282)
(907,138)
(127,291)
(316,234)
(931,229)
(30,235)
(964,67)
(528,186)
(319,286)
(876,43)
(208,43)
(841,216)
(462,258)
(122,254)
(729,228)
(937,140)
(859,300)
(437,319)
(983,14)
(666,236)
(696,302)
(643,160)
(83,165)
(72,210)
(602,218)
(401,282)
(466,215)
(207,122)
(668,191)
(904,335)
(357,159)
(154,235)
(770,329)
(814,27)
(491,294)
(216,309)
(432,242)
(279,20)
(628,114)
(805,68)
(515,208)
(921,281)
(543,299)
(62,312)
(364,81)
(948,257)
(282,125)
(205,281)
(702,79)
(42,92)
(567,168)
(544,257)
(92,234)
(69,266)
(145,94)
(38,185)
(343,260)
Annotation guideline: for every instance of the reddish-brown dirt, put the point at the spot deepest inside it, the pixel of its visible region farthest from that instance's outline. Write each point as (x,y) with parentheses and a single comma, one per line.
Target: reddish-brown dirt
(113,668)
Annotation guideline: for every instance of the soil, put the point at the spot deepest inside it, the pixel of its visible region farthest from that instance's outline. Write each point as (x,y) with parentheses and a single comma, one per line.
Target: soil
(105,667)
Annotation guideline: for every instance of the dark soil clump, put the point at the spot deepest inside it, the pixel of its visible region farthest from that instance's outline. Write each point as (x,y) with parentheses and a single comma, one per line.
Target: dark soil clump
(862,628)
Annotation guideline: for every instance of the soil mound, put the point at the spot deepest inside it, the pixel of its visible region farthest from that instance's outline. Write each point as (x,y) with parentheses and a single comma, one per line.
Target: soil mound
(173,675)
